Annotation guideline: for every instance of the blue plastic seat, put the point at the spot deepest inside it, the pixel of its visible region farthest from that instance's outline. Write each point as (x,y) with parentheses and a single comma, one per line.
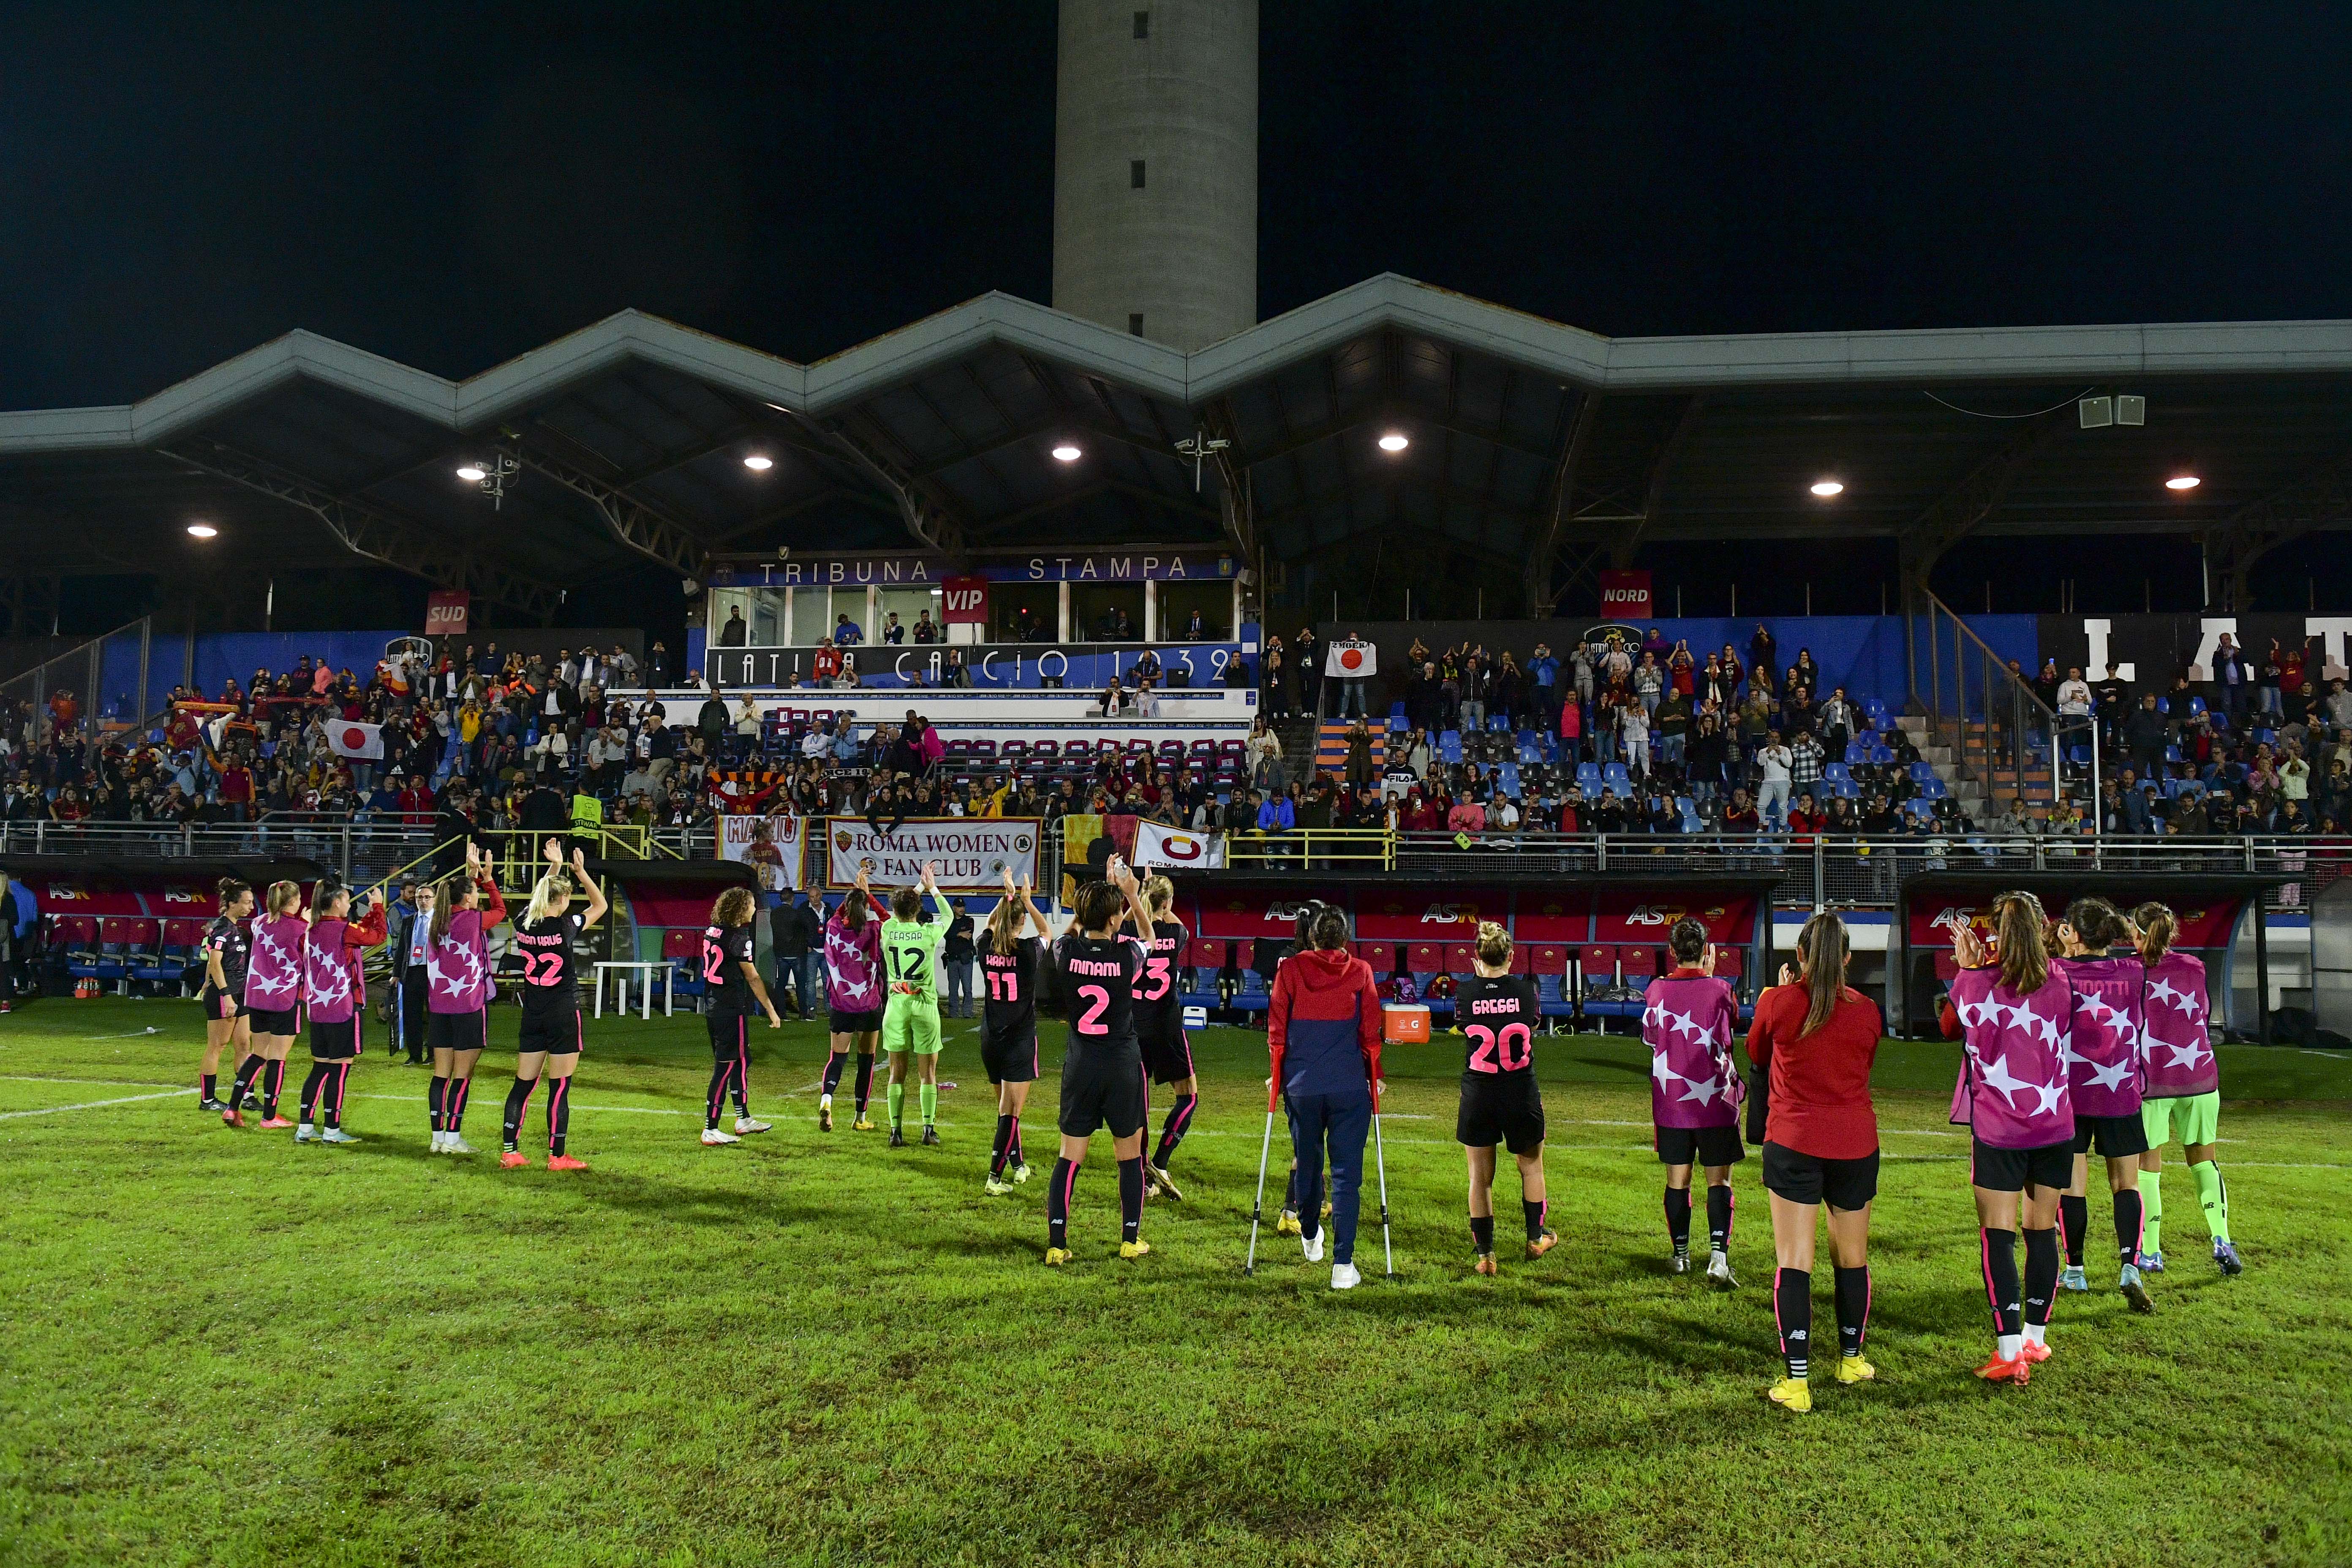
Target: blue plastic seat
(1836,772)
(1449,746)
(1923,771)
(1932,789)
(1587,777)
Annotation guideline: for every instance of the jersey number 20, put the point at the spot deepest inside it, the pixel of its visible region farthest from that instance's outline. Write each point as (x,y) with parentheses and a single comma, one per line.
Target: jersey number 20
(1507,1052)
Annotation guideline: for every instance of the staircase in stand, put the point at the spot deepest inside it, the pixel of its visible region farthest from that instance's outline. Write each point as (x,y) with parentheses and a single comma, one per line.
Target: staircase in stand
(1982,780)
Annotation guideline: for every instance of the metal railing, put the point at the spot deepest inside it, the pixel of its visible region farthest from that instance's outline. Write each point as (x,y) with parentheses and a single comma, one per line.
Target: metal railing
(1846,872)
(1993,721)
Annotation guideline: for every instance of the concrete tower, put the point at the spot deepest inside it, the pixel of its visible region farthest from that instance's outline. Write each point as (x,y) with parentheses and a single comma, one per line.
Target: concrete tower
(1155,167)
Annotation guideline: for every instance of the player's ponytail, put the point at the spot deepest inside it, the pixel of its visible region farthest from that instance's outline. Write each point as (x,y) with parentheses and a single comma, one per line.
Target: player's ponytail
(2017,928)
(1822,951)
(285,898)
(855,908)
(1494,946)
(2098,924)
(1158,895)
(1004,926)
(549,896)
(2158,929)
(230,891)
(1687,941)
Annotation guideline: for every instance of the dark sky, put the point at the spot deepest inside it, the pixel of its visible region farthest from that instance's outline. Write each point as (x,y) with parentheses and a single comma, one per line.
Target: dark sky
(452,185)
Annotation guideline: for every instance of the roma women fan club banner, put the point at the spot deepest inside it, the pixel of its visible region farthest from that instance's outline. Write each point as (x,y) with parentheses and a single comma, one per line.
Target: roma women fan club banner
(772,846)
(972,853)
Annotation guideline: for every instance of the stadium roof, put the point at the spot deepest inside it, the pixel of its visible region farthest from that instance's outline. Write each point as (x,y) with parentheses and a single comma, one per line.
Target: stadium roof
(1535,443)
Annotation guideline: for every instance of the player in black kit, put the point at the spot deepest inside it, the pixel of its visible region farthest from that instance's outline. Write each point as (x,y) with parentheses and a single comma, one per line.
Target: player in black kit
(1094,972)
(1498,1015)
(1008,1030)
(1160,1032)
(551,1033)
(227,947)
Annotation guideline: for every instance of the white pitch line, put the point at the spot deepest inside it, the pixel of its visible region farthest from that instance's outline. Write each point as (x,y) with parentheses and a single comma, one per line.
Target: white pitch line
(94,1104)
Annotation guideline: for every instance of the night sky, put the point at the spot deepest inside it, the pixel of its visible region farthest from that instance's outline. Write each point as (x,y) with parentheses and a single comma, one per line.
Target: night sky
(453,185)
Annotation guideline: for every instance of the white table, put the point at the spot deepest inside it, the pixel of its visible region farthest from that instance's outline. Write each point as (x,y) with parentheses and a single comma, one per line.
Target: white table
(645,969)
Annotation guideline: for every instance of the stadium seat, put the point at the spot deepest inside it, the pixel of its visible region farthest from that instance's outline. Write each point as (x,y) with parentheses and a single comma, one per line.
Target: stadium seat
(1459,960)
(145,953)
(113,960)
(681,949)
(181,940)
(1449,746)
(1921,772)
(1837,772)
(1932,788)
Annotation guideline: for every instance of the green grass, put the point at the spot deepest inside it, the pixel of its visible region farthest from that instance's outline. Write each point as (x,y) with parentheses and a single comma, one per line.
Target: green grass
(220,1348)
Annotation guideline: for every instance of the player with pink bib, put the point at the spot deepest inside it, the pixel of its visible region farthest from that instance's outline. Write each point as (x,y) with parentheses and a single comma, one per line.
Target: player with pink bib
(273,1002)
(2105,1076)
(2015,1018)
(1689,1020)
(2183,1093)
(334,995)
(457,994)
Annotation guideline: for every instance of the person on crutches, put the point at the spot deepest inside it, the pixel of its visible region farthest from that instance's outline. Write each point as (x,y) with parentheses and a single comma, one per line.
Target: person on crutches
(1323,1030)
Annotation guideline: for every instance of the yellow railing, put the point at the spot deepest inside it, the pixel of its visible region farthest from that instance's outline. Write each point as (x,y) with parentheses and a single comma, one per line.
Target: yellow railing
(517,854)
(1308,847)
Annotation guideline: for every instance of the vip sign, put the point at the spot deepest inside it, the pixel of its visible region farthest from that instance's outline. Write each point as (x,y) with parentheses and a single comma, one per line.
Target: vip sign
(964,601)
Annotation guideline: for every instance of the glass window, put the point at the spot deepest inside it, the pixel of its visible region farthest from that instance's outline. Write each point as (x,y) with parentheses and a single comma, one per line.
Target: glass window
(912,607)
(762,612)
(1043,601)
(1214,601)
(1106,613)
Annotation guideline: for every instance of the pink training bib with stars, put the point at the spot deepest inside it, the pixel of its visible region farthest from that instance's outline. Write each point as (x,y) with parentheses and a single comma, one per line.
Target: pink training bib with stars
(2106,1067)
(273,980)
(2177,1044)
(2014,1091)
(1688,1022)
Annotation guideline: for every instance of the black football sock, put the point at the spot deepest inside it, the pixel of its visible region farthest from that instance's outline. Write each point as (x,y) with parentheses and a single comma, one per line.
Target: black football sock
(1130,1198)
(741,1082)
(558,1115)
(2128,1213)
(996,1152)
(1534,1213)
(1792,1309)
(2075,1221)
(832,1066)
(273,1084)
(517,1106)
(436,1096)
(1013,1146)
(1482,1231)
(1678,1215)
(1852,1288)
(864,1084)
(246,1071)
(1999,1251)
(453,1106)
(1057,1203)
(311,1092)
(210,1079)
(721,1071)
(1172,1130)
(339,1081)
(2041,1276)
(1719,1206)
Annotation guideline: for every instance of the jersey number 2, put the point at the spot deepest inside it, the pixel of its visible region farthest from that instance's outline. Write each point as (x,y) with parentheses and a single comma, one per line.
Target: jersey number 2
(1097,1003)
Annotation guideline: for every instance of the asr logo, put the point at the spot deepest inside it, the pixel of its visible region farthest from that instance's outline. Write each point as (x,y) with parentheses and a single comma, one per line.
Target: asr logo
(1450,914)
(1955,919)
(1656,914)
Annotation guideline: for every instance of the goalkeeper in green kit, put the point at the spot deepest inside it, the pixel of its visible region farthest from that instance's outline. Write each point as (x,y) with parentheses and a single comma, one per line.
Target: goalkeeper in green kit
(911,1012)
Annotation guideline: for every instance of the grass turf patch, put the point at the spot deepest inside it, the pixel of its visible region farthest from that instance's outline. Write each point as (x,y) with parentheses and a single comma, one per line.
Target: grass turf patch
(223,1349)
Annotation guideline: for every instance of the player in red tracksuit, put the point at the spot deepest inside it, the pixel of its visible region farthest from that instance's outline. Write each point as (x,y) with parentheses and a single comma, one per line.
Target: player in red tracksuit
(1323,1030)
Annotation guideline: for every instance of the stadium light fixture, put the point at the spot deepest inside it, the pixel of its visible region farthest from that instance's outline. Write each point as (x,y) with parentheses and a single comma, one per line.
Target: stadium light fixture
(202,531)
(1828,488)
(1394,441)
(759,463)
(472,473)
(2182,482)
(1067,452)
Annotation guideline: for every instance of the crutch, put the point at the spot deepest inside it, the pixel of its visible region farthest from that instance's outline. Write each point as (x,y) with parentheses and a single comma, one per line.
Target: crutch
(1379,1163)
(1257,1203)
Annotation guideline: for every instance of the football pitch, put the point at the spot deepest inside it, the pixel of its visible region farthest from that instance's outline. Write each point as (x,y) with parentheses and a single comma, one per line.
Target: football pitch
(220,1348)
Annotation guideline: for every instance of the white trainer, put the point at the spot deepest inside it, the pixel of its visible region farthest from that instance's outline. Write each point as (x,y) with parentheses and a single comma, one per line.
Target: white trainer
(750,1125)
(1344,1277)
(714,1136)
(1718,1270)
(336,1135)
(439,1139)
(1313,1246)
(306,1134)
(455,1143)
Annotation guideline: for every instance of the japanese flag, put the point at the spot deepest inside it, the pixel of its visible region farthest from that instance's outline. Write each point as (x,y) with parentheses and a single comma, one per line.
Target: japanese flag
(350,739)
(1351,657)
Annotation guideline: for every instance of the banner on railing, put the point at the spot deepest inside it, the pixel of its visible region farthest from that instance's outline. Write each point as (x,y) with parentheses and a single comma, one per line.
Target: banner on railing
(1162,848)
(770,846)
(972,853)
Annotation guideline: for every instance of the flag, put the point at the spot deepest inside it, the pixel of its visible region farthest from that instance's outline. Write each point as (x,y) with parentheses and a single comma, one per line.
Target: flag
(1350,659)
(1177,848)
(351,739)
